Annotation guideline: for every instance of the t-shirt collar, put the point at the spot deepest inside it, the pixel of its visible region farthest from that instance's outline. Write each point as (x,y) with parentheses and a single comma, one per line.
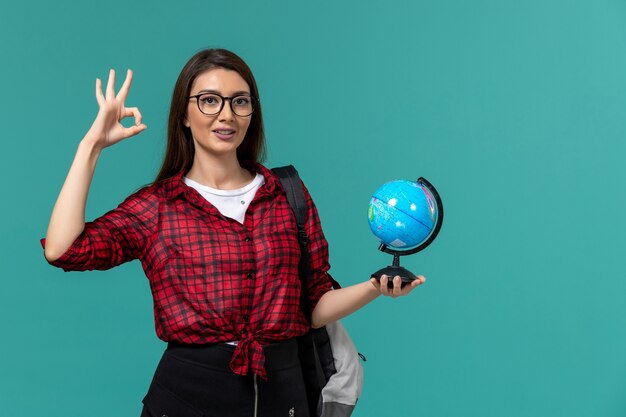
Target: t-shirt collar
(174,186)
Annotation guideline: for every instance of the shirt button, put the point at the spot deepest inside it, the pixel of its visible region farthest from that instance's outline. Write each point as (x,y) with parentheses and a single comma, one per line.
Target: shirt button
(247,239)
(250,275)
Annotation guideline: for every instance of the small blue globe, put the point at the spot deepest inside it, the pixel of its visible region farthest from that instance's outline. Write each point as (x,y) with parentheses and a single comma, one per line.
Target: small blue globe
(402,214)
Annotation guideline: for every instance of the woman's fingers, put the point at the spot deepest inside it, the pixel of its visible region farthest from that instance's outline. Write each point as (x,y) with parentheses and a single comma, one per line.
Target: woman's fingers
(413,284)
(110,94)
(138,127)
(383,285)
(397,289)
(397,286)
(99,96)
(133,130)
(123,93)
(133,111)
(107,126)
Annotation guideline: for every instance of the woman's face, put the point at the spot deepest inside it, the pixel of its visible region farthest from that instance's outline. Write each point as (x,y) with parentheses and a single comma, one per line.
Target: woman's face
(222,133)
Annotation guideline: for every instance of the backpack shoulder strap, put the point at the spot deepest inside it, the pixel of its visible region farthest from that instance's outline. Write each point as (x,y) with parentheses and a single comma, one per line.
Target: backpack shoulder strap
(290,180)
(292,184)
(295,195)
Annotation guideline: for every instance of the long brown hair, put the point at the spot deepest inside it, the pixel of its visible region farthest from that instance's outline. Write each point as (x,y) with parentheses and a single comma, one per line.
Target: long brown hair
(180,150)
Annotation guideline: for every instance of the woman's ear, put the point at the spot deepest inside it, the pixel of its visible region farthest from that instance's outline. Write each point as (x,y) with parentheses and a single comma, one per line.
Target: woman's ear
(186,122)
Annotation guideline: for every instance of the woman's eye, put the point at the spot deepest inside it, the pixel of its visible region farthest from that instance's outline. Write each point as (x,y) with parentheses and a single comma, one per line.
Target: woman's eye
(209,99)
(241,101)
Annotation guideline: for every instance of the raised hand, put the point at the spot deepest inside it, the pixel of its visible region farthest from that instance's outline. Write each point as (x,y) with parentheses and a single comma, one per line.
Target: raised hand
(107,129)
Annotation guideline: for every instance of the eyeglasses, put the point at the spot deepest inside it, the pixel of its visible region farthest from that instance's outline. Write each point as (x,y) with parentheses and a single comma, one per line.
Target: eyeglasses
(213,103)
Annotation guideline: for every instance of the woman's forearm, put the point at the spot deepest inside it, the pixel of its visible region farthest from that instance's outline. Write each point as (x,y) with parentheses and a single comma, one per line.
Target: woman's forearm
(342,302)
(68,216)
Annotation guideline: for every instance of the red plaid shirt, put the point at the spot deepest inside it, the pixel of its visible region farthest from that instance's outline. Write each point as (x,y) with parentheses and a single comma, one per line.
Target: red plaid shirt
(213,279)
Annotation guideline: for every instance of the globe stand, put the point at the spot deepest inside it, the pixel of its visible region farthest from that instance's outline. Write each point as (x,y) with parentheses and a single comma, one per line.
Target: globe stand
(395,269)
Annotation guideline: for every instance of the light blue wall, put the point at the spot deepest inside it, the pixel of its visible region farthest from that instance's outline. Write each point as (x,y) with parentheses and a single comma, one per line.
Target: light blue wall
(514,110)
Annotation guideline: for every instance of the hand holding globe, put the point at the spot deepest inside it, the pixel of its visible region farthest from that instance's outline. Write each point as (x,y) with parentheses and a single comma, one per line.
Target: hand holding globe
(394,287)
(406,217)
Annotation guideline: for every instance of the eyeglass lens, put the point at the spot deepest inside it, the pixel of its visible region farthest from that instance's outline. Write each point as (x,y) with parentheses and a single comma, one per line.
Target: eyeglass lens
(211,104)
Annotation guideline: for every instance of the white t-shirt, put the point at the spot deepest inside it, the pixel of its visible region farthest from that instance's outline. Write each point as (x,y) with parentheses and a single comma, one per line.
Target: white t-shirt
(231,203)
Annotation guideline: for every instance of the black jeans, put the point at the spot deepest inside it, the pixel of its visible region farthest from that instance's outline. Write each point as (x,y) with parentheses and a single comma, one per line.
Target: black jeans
(196,381)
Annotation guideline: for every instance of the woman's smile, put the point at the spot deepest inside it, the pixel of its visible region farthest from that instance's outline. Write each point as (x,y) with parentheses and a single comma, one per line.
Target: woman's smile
(224,133)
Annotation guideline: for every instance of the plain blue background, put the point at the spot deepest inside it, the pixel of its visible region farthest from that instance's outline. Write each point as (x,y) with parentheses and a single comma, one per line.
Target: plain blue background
(515,111)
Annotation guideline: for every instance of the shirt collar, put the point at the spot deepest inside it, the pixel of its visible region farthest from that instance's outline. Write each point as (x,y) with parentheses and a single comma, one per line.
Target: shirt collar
(174,186)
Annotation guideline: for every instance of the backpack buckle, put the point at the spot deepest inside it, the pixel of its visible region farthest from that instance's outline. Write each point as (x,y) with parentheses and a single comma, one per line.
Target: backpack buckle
(304,239)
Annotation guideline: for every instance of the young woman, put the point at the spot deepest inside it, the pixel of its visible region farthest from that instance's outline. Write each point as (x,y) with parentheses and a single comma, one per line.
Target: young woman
(218,242)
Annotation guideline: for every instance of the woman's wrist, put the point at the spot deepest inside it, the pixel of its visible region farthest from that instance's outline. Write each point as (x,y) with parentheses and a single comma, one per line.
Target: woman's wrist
(91,145)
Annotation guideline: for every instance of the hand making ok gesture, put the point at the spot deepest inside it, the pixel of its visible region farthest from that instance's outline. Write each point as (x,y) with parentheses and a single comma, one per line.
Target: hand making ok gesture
(107,129)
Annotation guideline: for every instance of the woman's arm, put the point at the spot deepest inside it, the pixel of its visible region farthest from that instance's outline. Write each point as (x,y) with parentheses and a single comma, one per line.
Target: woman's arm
(342,302)
(68,215)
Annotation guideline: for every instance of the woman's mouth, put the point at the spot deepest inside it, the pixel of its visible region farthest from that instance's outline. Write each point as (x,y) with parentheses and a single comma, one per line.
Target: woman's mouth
(224,134)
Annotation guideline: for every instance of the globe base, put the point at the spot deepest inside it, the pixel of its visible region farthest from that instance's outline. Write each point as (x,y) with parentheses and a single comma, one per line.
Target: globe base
(391,271)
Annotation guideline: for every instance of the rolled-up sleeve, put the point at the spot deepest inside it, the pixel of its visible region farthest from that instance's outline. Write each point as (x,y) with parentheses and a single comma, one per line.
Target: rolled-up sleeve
(116,237)
(320,281)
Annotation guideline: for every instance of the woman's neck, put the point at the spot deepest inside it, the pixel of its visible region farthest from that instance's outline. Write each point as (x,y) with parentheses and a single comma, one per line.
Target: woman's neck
(220,173)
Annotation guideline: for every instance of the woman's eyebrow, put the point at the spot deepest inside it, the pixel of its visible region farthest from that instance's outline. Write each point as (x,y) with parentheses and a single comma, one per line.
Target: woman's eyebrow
(236,93)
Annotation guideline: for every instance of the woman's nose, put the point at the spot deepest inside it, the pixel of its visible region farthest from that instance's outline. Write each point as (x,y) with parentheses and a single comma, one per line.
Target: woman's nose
(227,112)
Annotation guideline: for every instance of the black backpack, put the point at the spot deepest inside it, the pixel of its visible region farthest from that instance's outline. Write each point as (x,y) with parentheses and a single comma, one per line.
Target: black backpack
(330,363)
